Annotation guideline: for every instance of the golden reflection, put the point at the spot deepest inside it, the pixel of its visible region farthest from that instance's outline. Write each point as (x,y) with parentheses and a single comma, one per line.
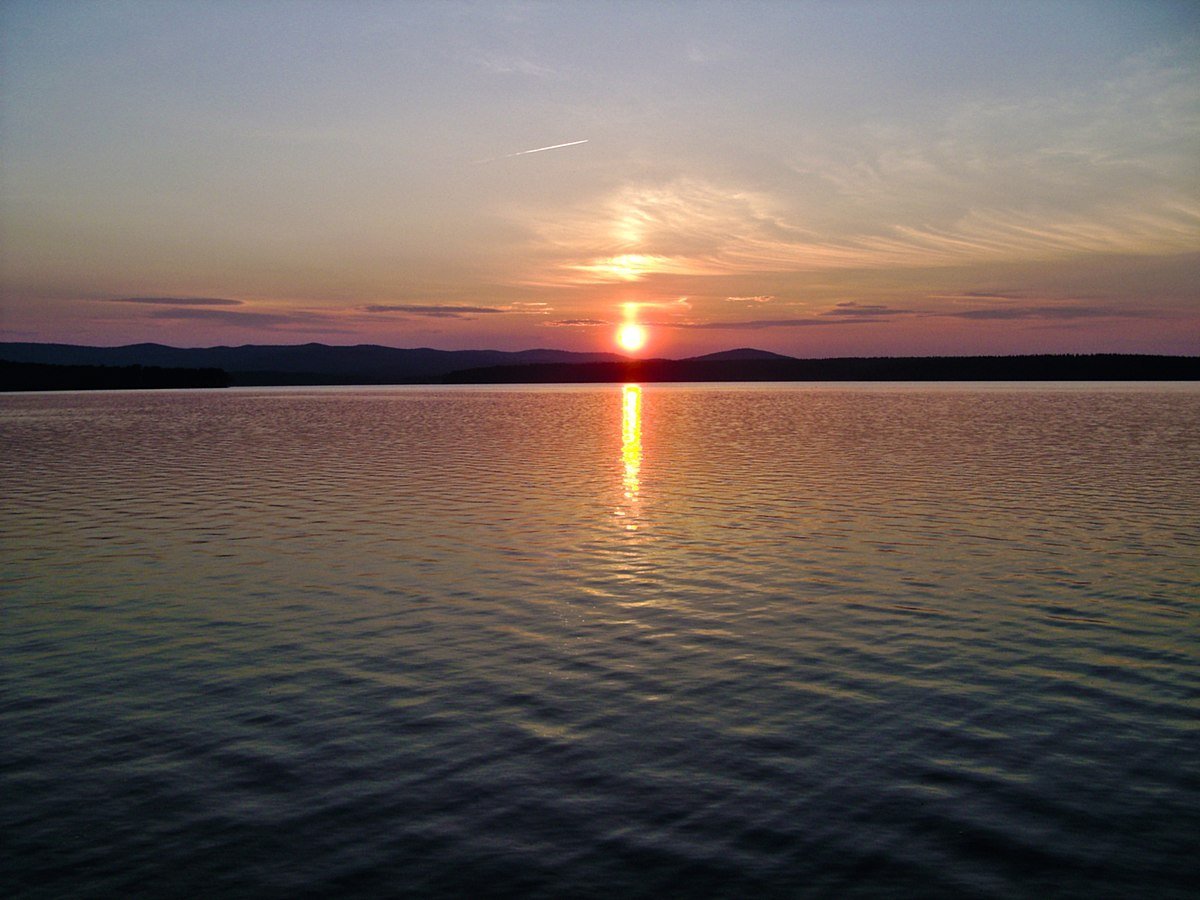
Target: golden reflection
(631,451)
(631,437)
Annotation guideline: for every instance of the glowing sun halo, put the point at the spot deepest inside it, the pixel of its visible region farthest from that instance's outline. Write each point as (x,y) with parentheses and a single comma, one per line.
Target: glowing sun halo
(631,336)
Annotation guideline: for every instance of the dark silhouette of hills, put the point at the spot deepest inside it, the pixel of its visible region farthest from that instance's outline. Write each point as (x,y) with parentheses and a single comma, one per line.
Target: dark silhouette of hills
(269,364)
(1097,367)
(21,376)
(742,353)
(372,364)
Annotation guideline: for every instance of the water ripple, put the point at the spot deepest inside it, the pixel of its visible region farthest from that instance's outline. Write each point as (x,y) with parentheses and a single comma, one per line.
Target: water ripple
(702,641)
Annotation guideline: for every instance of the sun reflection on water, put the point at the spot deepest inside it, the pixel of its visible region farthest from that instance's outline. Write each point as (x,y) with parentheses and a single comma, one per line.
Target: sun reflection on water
(631,450)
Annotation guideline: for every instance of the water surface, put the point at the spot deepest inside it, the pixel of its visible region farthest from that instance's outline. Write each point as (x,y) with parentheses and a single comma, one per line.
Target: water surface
(594,641)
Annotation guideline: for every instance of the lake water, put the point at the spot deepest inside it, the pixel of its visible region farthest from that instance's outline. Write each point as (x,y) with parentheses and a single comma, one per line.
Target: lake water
(799,640)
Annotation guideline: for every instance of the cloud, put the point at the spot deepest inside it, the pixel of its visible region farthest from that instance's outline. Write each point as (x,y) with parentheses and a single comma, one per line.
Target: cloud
(290,322)
(576,323)
(1105,169)
(502,64)
(705,53)
(695,227)
(435,312)
(678,306)
(1007,305)
(631,267)
(989,295)
(852,309)
(760,298)
(1001,296)
(229,317)
(752,324)
(867,314)
(687,226)
(1047,312)
(178,301)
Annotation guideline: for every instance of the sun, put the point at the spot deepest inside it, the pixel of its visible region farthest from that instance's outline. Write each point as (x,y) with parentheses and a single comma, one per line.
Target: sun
(631,337)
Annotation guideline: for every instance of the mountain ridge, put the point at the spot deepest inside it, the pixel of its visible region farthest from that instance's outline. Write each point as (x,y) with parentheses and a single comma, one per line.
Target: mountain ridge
(1038,367)
(311,363)
(740,353)
(318,364)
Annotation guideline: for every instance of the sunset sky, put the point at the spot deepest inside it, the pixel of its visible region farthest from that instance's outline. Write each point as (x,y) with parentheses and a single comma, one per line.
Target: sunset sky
(817,179)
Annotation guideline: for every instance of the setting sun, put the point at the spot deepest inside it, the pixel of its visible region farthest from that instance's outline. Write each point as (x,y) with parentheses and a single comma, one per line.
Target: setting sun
(631,336)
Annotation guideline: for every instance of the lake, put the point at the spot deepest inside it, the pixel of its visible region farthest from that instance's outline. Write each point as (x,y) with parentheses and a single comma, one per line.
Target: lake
(602,641)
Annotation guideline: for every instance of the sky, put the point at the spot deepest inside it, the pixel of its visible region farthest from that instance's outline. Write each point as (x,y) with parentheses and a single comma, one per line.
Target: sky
(812,178)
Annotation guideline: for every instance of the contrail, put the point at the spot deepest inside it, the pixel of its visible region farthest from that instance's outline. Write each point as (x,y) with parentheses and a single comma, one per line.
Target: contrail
(551,147)
(535,150)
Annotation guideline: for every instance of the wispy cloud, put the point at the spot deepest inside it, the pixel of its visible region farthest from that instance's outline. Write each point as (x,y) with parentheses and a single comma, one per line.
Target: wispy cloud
(1047,312)
(178,301)
(852,309)
(576,323)
(702,53)
(290,322)
(631,267)
(227,317)
(1105,170)
(973,296)
(1007,305)
(698,229)
(435,312)
(759,298)
(749,325)
(853,313)
(508,64)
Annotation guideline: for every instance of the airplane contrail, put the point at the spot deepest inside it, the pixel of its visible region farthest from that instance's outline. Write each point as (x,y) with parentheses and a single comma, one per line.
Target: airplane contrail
(535,150)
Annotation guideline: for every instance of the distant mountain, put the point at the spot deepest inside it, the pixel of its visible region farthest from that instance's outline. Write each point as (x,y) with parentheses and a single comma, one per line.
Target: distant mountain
(23,376)
(260,364)
(372,364)
(1096,367)
(742,353)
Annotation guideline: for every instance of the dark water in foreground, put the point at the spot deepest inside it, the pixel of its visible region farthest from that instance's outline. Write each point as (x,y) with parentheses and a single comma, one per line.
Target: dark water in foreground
(580,642)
